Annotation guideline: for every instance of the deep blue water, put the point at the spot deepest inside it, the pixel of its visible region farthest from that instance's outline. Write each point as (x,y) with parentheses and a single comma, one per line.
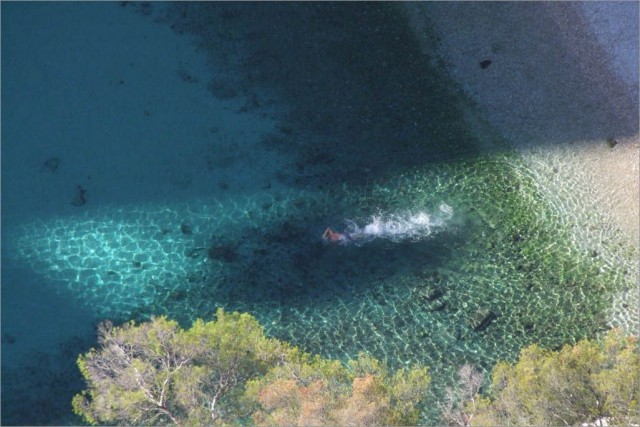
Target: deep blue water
(213,144)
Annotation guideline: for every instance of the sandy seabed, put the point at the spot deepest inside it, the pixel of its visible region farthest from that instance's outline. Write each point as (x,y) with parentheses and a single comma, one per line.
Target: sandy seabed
(559,82)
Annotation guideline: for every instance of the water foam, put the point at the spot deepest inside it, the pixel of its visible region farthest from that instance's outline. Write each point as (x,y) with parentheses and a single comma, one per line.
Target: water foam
(396,227)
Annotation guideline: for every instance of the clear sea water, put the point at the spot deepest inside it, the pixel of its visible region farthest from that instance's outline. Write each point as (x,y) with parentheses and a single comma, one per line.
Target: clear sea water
(331,115)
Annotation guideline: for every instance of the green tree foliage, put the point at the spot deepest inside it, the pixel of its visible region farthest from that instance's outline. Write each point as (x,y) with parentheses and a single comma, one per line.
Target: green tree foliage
(315,391)
(227,372)
(157,373)
(582,383)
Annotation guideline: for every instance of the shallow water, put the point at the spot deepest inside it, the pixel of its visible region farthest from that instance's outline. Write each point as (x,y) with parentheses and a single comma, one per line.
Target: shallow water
(501,259)
(365,126)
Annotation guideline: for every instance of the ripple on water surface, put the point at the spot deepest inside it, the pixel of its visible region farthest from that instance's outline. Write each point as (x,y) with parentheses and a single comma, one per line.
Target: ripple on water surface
(499,273)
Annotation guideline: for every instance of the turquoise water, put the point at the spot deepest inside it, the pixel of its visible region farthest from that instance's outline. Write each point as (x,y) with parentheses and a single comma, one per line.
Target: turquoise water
(366,126)
(407,301)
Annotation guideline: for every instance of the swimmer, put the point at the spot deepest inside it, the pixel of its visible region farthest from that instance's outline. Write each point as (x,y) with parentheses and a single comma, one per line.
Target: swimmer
(333,237)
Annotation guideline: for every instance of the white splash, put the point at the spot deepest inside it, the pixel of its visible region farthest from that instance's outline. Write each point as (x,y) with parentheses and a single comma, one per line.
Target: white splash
(398,227)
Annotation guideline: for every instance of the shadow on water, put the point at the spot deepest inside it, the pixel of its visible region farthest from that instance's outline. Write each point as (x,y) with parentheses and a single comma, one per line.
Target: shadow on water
(365,99)
(39,392)
(40,346)
(545,74)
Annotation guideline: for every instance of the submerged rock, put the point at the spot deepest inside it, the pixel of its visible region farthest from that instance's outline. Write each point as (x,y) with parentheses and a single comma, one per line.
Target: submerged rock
(485,63)
(529,327)
(51,165)
(438,305)
(430,292)
(481,319)
(78,197)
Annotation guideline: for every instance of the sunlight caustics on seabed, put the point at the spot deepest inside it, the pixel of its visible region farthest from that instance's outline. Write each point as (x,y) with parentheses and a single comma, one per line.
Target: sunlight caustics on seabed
(500,273)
